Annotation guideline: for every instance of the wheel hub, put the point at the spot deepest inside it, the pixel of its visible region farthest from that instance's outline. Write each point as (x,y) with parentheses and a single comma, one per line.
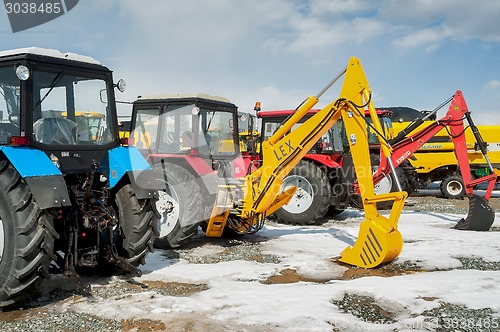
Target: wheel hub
(168,207)
(303,197)
(384,186)
(454,187)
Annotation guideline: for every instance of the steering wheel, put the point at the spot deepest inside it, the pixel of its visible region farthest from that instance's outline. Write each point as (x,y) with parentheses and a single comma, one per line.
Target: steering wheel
(170,138)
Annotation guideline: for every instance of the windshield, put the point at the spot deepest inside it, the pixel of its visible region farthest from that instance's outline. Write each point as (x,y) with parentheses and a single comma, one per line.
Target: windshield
(386,127)
(70,110)
(324,144)
(9,104)
(208,132)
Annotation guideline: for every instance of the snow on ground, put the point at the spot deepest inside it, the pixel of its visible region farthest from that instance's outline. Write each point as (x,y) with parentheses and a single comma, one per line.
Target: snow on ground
(237,299)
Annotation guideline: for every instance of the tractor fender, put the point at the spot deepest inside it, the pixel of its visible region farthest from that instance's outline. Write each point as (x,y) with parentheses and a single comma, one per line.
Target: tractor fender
(127,162)
(204,175)
(43,178)
(144,183)
(322,159)
(124,159)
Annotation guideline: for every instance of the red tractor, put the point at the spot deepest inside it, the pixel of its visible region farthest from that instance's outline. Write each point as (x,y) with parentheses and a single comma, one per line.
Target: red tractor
(192,141)
(325,182)
(324,177)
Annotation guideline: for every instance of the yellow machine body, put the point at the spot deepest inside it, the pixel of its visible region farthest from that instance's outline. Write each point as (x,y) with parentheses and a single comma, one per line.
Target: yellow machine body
(379,240)
(439,152)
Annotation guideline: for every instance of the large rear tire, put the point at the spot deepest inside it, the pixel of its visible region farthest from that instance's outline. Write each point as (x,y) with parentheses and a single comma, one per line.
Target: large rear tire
(311,201)
(180,205)
(138,222)
(27,238)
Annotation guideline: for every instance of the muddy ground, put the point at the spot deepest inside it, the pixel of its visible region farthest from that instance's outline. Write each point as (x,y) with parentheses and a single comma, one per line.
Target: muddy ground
(41,313)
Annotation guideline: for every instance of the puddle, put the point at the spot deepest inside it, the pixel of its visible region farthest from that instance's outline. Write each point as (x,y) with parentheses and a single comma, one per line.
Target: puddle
(142,325)
(290,276)
(388,270)
(160,287)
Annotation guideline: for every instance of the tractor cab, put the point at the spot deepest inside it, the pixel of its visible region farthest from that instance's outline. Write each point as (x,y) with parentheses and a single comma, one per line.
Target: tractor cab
(248,125)
(187,127)
(68,106)
(384,117)
(329,143)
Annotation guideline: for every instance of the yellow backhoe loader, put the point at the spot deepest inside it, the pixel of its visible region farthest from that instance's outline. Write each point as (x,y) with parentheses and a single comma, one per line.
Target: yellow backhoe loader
(243,206)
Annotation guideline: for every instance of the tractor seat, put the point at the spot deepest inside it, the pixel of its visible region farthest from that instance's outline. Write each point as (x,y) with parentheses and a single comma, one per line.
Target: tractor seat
(54,131)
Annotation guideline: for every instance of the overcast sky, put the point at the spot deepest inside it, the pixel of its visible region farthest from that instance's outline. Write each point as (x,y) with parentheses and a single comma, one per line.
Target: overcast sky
(414,53)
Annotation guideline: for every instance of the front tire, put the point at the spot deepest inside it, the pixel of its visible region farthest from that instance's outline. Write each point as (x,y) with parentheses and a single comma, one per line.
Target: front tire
(453,187)
(180,205)
(311,201)
(138,221)
(26,238)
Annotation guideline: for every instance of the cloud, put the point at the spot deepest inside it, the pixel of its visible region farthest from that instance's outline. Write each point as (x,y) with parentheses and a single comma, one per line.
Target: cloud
(431,49)
(464,19)
(494,84)
(280,51)
(423,37)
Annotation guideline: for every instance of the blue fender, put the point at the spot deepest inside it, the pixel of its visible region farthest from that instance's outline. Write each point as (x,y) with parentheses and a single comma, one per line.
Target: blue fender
(125,159)
(44,179)
(30,162)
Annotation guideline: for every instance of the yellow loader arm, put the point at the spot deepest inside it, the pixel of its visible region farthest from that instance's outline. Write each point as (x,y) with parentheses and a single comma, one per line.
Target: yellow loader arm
(379,240)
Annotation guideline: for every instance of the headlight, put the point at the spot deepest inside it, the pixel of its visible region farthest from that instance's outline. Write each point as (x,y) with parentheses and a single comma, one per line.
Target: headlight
(121,85)
(22,72)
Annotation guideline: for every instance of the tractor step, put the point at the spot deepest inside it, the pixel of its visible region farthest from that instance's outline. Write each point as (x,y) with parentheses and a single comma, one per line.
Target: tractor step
(224,201)
(216,224)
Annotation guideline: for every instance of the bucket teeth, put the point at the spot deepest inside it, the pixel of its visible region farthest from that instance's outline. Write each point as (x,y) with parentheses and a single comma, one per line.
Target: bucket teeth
(374,246)
(480,217)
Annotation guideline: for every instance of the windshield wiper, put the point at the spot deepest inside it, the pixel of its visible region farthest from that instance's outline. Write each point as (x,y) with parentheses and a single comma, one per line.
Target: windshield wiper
(52,85)
(210,121)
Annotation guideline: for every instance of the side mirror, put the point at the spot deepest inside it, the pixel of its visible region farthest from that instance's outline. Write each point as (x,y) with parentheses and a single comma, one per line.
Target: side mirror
(103,96)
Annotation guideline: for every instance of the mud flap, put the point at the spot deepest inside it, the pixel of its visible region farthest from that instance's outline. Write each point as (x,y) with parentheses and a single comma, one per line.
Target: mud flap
(480,217)
(379,240)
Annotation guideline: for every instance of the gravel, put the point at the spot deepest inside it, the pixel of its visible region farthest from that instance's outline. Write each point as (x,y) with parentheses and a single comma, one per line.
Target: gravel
(234,249)
(364,308)
(452,317)
(443,205)
(44,313)
(67,321)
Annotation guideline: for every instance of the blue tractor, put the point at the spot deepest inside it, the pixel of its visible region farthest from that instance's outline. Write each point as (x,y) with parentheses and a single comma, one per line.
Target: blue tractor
(72,196)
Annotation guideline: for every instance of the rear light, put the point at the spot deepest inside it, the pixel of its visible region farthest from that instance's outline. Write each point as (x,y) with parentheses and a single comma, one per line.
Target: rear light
(127,141)
(19,140)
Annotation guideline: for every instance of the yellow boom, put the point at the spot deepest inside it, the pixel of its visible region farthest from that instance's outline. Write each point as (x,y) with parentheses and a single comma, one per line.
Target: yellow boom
(379,240)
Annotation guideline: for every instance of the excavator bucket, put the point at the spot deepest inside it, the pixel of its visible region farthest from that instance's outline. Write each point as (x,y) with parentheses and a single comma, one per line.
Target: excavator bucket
(374,246)
(379,240)
(480,217)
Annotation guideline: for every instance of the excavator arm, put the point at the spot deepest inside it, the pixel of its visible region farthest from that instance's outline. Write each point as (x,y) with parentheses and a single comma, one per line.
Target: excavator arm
(379,240)
(481,215)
